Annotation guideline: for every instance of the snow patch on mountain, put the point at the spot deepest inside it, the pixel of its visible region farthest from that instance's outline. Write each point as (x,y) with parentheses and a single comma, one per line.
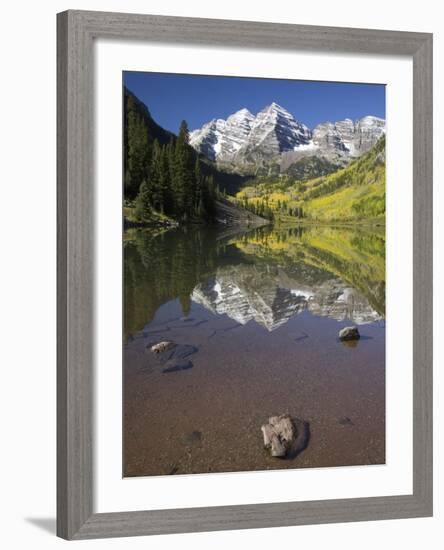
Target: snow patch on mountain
(310,146)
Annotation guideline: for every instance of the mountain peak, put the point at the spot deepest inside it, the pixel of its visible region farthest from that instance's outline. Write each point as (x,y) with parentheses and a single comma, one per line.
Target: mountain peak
(254,140)
(275,108)
(244,112)
(371,119)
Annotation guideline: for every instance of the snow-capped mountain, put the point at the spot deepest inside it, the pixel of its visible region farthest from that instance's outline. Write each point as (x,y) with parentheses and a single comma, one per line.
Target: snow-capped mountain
(274,133)
(220,138)
(347,137)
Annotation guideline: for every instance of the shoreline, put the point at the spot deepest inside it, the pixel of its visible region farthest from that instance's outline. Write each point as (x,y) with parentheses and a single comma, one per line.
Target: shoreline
(128,225)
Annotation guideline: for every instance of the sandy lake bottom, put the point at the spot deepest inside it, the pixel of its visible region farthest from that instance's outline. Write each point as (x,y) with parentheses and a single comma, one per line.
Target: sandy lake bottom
(255,321)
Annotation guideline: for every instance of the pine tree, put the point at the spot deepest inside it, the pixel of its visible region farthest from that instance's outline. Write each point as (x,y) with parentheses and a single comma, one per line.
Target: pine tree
(143,203)
(208,196)
(155,180)
(171,162)
(183,183)
(165,181)
(198,200)
(137,158)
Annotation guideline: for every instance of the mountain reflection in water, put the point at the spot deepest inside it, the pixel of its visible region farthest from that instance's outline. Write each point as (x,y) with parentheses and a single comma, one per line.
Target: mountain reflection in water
(267,275)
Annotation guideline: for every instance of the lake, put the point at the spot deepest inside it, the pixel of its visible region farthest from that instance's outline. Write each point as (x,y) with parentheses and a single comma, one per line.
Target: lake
(255,316)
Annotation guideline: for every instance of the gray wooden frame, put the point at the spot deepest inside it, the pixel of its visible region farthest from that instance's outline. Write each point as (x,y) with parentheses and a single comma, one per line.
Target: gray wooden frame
(76,32)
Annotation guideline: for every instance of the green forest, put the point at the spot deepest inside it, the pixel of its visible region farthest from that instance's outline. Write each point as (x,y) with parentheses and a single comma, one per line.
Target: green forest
(163,180)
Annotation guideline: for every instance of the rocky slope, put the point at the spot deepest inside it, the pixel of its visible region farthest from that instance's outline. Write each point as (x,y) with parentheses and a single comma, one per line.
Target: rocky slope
(275,136)
(347,137)
(230,214)
(273,131)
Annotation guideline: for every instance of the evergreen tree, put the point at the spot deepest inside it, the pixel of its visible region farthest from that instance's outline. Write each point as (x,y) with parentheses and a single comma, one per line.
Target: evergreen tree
(137,158)
(198,199)
(155,182)
(165,181)
(143,203)
(183,182)
(208,196)
(170,160)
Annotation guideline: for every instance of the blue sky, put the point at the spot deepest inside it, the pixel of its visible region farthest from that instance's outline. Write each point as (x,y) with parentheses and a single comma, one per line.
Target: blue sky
(198,99)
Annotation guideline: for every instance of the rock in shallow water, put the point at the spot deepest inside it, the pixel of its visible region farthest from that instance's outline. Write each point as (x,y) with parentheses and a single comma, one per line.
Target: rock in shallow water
(279,435)
(161,347)
(173,357)
(192,438)
(349,333)
(177,365)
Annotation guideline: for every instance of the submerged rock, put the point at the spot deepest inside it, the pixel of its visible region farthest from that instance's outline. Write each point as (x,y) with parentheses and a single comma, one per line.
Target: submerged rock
(349,333)
(279,435)
(174,366)
(180,351)
(174,357)
(192,438)
(171,356)
(161,347)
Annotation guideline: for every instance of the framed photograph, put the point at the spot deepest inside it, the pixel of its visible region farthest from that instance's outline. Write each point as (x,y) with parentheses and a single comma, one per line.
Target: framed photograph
(244,275)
